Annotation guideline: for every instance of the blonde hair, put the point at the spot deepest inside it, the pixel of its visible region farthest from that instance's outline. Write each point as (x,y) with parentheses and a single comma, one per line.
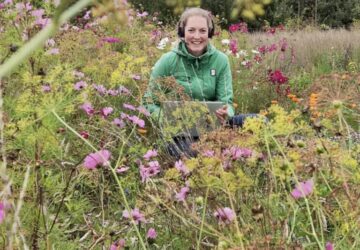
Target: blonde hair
(195,12)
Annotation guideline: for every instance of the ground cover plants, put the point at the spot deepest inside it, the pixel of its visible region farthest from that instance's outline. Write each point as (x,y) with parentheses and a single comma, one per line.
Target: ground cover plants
(85,166)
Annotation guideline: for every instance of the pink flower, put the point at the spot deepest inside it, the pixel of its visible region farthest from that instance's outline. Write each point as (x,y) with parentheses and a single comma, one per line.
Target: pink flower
(38,13)
(149,170)
(271,48)
(123,90)
(2,212)
(151,234)
(46,88)
(120,244)
(303,189)
(119,122)
(262,49)
(277,77)
(122,170)
(136,77)
(113,92)
(129,106)
(181,196)
(50,43)
(135,215)
(283,44)
(53,51)
(144,14)
(149,154)
(78,74)
(87,15)
(106,111)
(233,46)
(99,158)
(209,153)
(236,153)
(225,215)
(143,111)
(8,2)
(233,28)
(80,85)
(84,134)
(111,40)
(180,166)
(329,246)
(87,107)
(137,121)
(100,89)
(42,22)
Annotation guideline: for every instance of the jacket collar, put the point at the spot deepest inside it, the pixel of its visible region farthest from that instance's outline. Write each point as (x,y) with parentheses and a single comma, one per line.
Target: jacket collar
(182,51)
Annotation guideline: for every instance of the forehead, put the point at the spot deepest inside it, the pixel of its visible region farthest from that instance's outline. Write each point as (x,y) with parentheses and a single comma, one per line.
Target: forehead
(197,22)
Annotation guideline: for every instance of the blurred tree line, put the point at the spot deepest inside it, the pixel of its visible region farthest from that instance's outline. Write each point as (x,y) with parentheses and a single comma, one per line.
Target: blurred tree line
(295,13)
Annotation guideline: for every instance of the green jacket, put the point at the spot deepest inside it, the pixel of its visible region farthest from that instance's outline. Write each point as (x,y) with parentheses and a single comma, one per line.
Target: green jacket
(204,78)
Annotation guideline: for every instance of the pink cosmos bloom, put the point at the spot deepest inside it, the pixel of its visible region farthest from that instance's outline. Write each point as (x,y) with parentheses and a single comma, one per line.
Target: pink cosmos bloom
(100,89)
(225,215)
(2,6)
(42,22)
(118,245)
(38,13)
(105,112)
(122,170)
(283,44)
(303,189)
(8,2)
(129,106)
(144,14)
(149,170)
(236,153)
(209,153)
(181,196)
(329,246)
(135,215)
(53,51)
(111,40)
(137,121)
(28,6)
(149,154)
(46,88)
(87,15)
(151,234)
(87,107)
(119,122)
(80,85)
(180,166)
(84,134)
(113,92)
(50,43)
(271,48)
(136,77)
(99,158)
(2,212)
(143,110)
(262,49)
(124,116)
(233,46)
(277,77)
(233,28)
(123,90)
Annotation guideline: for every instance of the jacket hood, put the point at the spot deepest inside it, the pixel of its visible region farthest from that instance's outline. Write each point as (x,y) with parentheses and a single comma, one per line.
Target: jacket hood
(182,51)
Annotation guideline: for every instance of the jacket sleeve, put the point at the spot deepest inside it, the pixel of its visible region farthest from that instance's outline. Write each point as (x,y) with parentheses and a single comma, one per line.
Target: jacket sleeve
(224,88)
(150,101)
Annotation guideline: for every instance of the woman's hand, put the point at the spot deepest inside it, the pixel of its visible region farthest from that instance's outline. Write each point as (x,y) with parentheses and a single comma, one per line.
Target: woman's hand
(222,114)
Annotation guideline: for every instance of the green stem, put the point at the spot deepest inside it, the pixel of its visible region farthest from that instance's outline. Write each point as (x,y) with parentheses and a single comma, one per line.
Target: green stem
(203,218)
(38,40)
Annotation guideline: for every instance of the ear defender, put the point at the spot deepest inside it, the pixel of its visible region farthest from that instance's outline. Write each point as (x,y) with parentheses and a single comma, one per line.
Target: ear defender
(181,32)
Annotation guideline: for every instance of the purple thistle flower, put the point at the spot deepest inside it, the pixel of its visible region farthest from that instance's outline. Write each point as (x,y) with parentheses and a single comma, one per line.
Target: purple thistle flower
(144,14)
(135,215)
(180,166)
(129,106)
(80,85)
(225,215)
(99,158)
(149,170)
(123,90)
(149,154)
(113,92)
(42,22)
(181,196)
(143,110)
(119,122)
(303,189)
(38,13)
(87,107)
(151,234)
(120,244)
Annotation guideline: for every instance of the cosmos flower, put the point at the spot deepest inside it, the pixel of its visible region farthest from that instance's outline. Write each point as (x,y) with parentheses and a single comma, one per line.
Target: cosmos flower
(303,189)
(99,158)
(135,215)
(225,215)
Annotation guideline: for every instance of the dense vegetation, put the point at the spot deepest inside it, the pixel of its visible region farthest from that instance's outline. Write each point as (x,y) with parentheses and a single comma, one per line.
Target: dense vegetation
(84,166)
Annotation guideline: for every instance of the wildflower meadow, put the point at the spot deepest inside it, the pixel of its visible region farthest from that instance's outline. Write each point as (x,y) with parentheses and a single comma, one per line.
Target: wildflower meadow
(84,165)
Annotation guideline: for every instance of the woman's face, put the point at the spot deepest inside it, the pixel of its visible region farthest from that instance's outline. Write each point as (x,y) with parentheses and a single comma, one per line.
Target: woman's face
(196,35)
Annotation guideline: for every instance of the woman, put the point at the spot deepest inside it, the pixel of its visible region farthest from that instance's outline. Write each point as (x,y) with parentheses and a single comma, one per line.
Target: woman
(202,70)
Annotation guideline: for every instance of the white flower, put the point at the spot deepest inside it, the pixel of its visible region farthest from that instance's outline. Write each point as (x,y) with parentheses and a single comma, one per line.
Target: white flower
(162,43)
(245,62)
(225,42)
(255,51)
(243,53)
